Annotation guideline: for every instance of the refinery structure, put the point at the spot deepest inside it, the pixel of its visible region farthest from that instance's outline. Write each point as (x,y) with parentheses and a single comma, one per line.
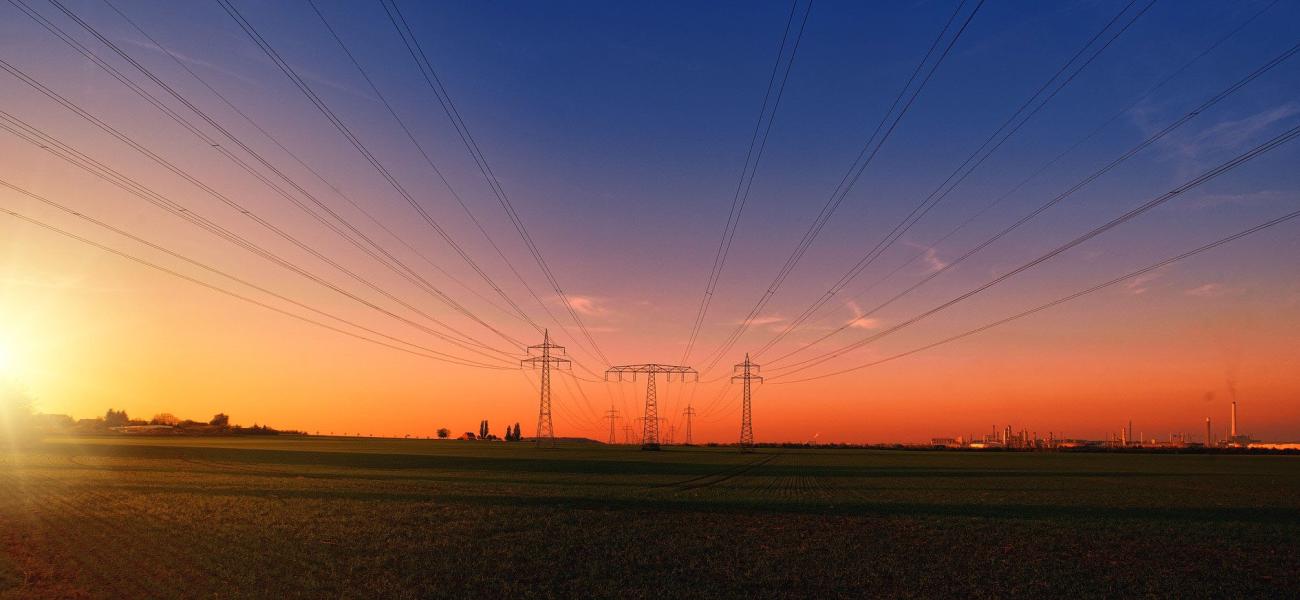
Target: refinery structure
(1123,437)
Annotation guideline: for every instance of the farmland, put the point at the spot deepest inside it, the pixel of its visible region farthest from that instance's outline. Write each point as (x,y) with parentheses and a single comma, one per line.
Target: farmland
(336,517)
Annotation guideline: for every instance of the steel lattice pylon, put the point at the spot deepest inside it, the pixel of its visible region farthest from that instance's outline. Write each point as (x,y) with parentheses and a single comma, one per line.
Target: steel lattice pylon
(689,412)
(612,415)
(746,372)
(546,358)
(650,426)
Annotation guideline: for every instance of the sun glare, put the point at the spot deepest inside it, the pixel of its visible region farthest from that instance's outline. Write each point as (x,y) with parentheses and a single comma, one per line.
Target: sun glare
(8,360)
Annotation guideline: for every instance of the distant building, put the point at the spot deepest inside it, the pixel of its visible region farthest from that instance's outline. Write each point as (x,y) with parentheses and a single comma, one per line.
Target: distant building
(144,429)
(1275,445)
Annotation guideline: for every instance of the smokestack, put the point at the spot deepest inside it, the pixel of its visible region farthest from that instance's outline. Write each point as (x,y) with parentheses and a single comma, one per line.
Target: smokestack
(1234,418)
(1209,436)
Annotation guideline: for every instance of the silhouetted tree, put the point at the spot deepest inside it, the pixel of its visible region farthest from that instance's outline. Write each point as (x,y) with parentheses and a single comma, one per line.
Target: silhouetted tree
(220,420)
(165,419)
(444,432)
(116,418)
(518,435)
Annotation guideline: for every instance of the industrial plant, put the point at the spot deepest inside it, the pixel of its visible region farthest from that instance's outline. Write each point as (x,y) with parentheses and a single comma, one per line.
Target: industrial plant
(1124,437)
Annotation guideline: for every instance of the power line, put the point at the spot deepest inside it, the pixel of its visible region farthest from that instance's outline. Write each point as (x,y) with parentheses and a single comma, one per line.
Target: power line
(869,151)
(297,159)
(1127,216)
(420,350)
(410,135)
(1039,171)
(444,100)
(404,271)
(36,137)
(1084,292)
(747,173)
(441,177)
(968,166)
(347,133)
(1150,140)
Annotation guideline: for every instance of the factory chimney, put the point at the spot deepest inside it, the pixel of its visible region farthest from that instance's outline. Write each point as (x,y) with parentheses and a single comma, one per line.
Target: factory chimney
(1209,436)
(1234,418)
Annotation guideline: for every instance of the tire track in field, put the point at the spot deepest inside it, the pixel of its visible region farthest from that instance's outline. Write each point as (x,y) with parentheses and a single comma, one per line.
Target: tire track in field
(685,483)
(704,481)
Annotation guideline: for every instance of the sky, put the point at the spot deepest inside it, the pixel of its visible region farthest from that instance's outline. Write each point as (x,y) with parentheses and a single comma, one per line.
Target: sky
(618,132)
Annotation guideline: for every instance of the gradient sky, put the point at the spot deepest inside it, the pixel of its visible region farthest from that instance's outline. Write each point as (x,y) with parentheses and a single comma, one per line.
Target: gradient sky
(619,132)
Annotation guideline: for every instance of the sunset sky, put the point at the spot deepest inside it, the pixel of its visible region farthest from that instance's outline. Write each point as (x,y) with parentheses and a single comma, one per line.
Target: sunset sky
(618,133)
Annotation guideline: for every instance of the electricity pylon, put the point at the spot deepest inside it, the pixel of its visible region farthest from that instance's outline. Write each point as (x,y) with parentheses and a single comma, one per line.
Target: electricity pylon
(689,412)
(545,428)
(611,414)
(627,434)
(746,372)
(641,424)
(650,431)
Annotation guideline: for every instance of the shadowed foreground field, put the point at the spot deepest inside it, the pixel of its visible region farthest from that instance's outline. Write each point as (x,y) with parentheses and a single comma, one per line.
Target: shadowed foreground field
(233,517)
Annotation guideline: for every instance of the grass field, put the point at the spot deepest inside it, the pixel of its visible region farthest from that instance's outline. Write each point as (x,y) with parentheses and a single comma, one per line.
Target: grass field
(327,517)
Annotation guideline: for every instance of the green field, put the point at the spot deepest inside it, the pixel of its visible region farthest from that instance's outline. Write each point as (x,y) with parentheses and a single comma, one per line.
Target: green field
(329,517)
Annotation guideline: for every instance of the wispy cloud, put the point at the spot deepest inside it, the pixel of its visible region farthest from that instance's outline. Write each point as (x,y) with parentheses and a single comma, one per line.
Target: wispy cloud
(1190,148)
(1213,290)
(305,71)
(1235,134)
(191,61)
(1256,198)
(760,321)
(1142,283)
(930,258)
(860,320)
(590,306)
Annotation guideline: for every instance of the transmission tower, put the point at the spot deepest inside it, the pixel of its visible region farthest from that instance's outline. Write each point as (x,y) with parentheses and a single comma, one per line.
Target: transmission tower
(627,434)
(746,372)
(689,412)
(641,425)
(650,422)
(611,414)
(544,355)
